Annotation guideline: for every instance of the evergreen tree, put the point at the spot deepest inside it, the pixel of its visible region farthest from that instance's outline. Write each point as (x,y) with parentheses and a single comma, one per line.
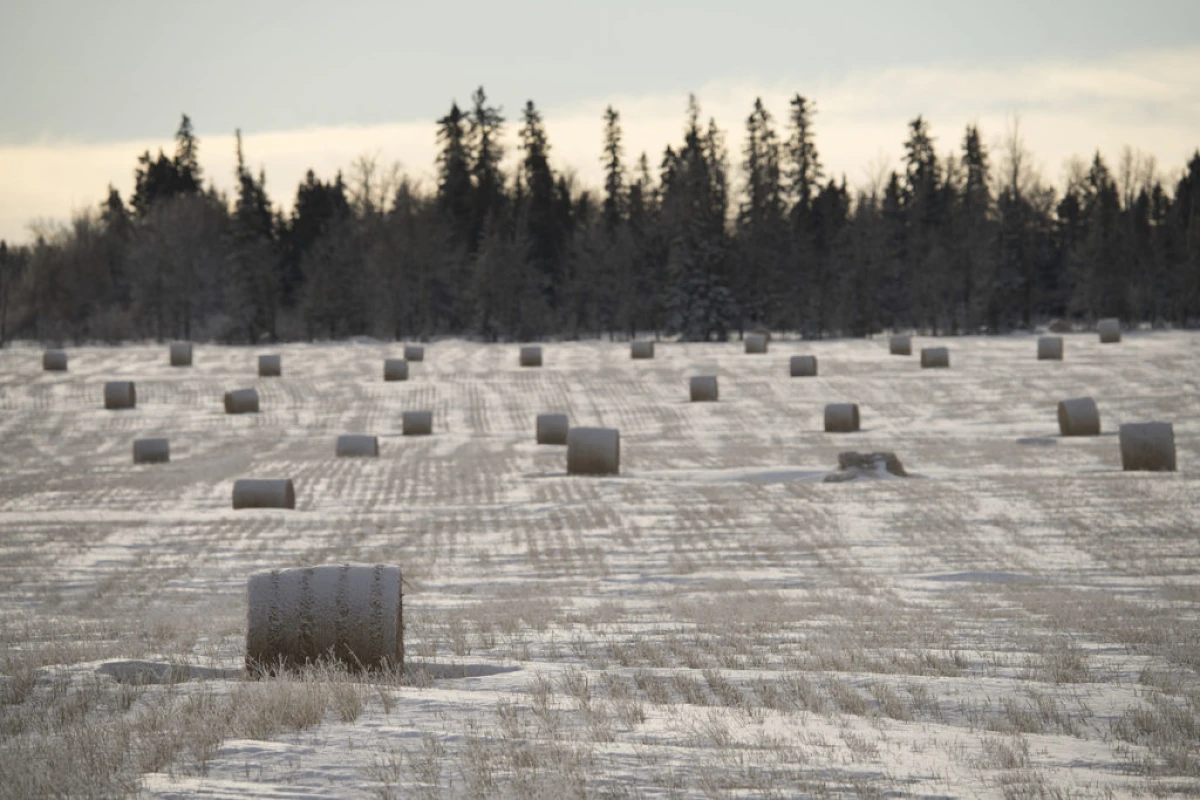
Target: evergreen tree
(761,222)
(802,175)
(454,191)
(542,225)
(614,172)
(254,256)
(484,131)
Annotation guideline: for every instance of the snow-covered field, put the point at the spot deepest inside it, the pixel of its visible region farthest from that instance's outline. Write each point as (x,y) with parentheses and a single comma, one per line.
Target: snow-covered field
(1020,618)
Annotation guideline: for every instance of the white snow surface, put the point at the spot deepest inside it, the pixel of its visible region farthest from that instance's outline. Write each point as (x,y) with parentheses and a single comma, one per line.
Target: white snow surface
(713,621)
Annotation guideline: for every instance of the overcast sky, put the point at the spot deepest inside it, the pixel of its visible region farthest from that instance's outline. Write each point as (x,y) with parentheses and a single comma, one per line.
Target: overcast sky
(87,86)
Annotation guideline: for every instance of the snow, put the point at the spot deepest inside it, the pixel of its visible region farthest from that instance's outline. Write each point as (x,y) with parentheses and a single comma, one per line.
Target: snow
(714,620)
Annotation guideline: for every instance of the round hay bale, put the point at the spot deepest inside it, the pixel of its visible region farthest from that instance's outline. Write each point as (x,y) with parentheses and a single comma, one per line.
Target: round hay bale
(395,369)
(120,394)
(270,366)
(241,401)
(352,614)
(703,388)
(351,445)
(935,358)
(1050,348)
(54,360)
(1079,417)
(264,493)
(756,343)
(641,349)
(414,352)
(1109,330)
(417,423)
(552,428)
(1148,447)
(181,354)
(1059,326)
(841,418)
(803,366)
(531,356)
(593,451)
(900,345)
(151,451)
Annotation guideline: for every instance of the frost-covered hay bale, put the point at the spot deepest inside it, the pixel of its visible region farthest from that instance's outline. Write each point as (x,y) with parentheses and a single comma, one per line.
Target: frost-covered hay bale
(264,493)
(852,465)
(414,352)
(352,445)
(641,349)
(270,366)
(241,401)
(935,358)
(841,418)
(803,366)
(1078,417)
(352,614)
(531,356)
(395,369)
(593,451)
(900,345)
(1148,446)
(416,423)
(120,394)
(1050,348)
(54,360)
(1109,330)
(703,388)
(756,343)
(151,451)
(552,428)
(181,354)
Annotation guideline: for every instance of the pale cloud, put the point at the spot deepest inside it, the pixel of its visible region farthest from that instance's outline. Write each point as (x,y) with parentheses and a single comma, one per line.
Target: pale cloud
(1150,101)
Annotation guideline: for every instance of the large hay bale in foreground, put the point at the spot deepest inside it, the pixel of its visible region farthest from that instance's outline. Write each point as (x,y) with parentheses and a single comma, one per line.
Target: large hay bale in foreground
(395,369)
(270,366)
(1147,446)
(350,445)
(264,493)
(120,394)
(414,352)
(593,451)
(1078,417)
(703,388)
(641,349)
(416,423)
(1109,330)
(935,358)
(181,354)
(350,614)
(54,360)
(241,401)
(552,428)
(1050,348)
(803,366)
(756,343)
(151,451)
(900,345)
(531,356)
(841,418)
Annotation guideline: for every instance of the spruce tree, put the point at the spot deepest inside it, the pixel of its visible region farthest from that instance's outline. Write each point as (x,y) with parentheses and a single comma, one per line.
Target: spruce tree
(485,127)
(542,223)
(614,172)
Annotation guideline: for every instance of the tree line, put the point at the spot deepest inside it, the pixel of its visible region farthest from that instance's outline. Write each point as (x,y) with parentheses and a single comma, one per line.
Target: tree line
(971,241)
